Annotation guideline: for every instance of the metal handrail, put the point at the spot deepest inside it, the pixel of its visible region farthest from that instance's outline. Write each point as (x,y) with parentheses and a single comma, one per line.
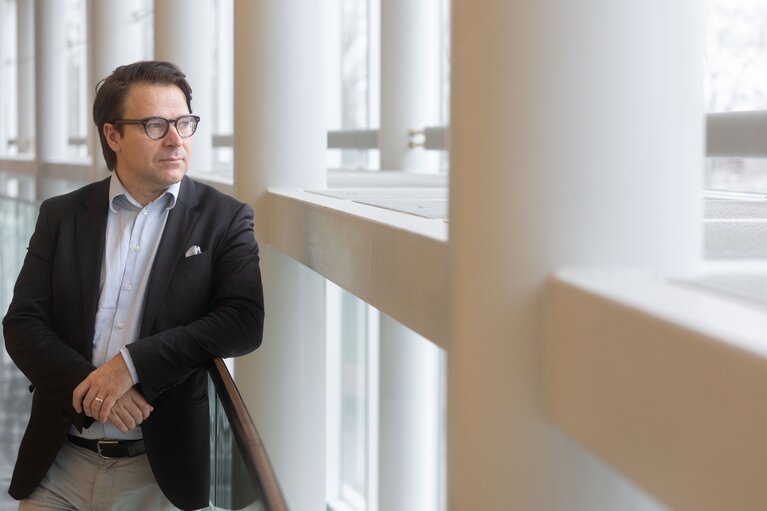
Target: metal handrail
(737,134)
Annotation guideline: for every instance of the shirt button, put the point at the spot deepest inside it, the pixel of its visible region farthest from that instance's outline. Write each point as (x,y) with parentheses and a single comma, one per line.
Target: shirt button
(136,248)
(120,326)
(129,287)
(144,211)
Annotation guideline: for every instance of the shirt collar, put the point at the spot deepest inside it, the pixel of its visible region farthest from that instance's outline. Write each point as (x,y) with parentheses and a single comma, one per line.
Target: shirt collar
(116,190)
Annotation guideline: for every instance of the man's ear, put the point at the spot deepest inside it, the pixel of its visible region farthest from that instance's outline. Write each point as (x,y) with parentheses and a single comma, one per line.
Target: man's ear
(113,136)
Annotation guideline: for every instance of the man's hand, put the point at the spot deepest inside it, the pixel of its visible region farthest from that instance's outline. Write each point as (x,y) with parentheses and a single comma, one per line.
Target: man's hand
(130,410)
(97,394)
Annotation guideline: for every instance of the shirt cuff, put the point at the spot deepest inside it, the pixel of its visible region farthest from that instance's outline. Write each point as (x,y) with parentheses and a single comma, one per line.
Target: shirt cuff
(129,362)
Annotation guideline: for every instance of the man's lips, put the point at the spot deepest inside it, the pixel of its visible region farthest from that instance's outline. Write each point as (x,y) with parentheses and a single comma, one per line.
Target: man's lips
(172,158)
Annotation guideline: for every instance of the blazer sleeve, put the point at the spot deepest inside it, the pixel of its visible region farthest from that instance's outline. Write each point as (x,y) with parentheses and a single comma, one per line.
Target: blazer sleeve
(232,325)
(52,364)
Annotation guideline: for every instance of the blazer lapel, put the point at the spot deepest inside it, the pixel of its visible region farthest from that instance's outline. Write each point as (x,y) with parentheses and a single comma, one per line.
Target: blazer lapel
(91,224)
(178,227)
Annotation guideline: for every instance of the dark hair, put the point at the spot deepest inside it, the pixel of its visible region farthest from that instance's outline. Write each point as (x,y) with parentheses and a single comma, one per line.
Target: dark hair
(109,104)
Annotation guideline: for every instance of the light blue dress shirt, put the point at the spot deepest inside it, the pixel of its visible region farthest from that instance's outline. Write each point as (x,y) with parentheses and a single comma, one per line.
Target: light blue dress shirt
(132,236)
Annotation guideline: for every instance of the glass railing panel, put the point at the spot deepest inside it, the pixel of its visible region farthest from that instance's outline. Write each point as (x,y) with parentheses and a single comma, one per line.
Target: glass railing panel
(17,221)
(231,486)
(241,474)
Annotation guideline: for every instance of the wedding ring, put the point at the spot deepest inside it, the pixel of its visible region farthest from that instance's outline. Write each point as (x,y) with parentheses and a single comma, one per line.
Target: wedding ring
(98,400)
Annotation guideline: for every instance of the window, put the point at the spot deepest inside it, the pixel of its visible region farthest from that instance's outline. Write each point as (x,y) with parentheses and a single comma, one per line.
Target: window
(361,94)
(736,80)
(352,79)
(352,400)
(223,88)
(77,77)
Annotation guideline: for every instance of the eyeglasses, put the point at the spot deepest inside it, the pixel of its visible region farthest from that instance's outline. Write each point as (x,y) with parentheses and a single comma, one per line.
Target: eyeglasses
(157,127)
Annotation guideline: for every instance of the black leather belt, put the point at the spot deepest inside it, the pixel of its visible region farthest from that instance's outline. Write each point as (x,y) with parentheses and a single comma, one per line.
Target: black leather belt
(110,448)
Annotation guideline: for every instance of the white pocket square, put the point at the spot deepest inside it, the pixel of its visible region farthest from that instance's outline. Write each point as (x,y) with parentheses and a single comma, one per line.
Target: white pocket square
(193,251)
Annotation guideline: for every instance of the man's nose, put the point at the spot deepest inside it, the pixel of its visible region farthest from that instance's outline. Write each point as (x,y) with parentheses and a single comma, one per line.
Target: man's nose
(172,138)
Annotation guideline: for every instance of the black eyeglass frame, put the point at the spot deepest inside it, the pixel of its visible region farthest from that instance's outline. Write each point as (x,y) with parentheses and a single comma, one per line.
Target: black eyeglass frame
(168,122)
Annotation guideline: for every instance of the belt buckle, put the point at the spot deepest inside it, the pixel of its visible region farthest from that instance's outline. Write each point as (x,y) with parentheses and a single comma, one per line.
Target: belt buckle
(101,443)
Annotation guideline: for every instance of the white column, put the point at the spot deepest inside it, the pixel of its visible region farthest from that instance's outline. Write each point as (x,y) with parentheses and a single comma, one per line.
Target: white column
(51,92)
(25,85)
(577,140)
(51,132)
(332,74)
(183,34)
(110,23)
(409,420)
(409,80)
(223,63)
(280,141)
(5,84)
(408,467)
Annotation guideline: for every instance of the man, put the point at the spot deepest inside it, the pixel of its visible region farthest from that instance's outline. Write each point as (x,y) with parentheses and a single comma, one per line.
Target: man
(130,286)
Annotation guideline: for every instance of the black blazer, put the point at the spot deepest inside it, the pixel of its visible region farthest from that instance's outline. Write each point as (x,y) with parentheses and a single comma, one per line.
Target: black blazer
(196,308)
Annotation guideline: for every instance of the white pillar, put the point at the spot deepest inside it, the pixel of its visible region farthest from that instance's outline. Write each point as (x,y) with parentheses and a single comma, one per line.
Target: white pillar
(51,92)
(409,420)
(110,23)
(409,364)
(223,64)
(577,140)
(51,127)
(183,34)
(5,84)
(25,85)
(409,80)
(332,74)
(280,141)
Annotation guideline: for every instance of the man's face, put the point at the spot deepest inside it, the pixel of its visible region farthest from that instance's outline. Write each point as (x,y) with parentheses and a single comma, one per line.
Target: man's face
(147,167)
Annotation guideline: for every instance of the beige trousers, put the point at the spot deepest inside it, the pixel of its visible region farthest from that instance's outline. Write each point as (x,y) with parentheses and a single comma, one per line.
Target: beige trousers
(80,480)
